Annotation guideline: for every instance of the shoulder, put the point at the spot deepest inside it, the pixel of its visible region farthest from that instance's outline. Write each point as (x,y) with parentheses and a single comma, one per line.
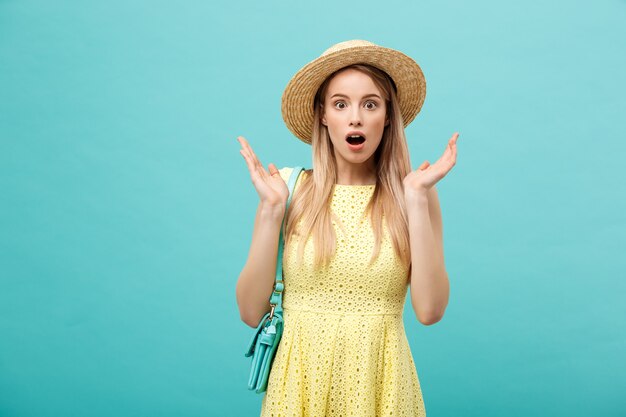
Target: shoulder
(285,173)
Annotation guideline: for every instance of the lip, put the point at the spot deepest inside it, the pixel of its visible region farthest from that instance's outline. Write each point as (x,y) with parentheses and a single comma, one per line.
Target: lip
(355,132)
(359,146)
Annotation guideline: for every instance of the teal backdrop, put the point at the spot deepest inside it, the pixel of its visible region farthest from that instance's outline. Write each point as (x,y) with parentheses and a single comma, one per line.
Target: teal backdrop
(126,210)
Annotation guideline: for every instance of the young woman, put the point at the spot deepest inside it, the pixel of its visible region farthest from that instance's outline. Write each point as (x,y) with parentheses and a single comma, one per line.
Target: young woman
(362,227)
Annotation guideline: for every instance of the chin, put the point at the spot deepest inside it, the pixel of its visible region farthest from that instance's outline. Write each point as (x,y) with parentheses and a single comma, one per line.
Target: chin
(358,159)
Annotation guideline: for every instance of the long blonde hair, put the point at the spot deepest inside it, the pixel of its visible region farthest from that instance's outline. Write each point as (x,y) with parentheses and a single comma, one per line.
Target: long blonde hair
(311,202)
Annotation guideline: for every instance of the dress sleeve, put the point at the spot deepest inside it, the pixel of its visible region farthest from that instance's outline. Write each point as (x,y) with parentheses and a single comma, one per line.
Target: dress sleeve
(285,173)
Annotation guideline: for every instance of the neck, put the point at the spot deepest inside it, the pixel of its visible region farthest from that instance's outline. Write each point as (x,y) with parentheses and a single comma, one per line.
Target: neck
(356,174)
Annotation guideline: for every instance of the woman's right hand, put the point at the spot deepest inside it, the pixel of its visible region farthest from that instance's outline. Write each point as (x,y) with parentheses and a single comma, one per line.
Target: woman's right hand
(270,186)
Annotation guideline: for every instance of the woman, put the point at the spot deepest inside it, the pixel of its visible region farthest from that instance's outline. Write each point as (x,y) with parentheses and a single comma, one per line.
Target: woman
(361,228)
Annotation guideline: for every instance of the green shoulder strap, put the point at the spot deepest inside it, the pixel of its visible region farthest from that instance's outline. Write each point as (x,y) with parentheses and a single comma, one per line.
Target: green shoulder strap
(276,299)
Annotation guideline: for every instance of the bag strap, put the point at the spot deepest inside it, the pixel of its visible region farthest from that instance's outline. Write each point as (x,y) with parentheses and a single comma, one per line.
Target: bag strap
(276,299)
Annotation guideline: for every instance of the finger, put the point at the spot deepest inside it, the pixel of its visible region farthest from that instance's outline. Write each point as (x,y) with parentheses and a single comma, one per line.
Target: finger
(453,149)
(243,142)
(255,173)
(450,148)
(447,152)
(249,162)
(245,146)
(454,152)
(273,169)
(454,139)
(448,160)
(244,151)
(424,165)
(255,159)
(251,154)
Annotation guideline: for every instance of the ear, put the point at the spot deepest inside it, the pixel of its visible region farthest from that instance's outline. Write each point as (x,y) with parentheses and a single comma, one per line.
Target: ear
(323,117)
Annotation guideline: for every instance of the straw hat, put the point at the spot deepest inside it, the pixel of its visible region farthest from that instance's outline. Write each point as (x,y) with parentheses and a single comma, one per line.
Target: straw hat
(297,100)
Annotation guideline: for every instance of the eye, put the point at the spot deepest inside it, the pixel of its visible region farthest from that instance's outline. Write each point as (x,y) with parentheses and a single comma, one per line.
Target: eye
(374,105)
(339,102)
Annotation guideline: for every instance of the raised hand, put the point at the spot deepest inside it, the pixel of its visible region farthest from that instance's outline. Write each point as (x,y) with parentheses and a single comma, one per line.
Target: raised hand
(427,175)
(270,186)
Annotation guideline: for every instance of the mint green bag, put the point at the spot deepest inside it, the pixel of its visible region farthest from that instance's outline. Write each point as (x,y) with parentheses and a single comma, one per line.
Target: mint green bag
(264,341)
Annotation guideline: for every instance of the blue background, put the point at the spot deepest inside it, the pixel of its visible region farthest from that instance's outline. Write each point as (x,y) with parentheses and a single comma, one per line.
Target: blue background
(126,209)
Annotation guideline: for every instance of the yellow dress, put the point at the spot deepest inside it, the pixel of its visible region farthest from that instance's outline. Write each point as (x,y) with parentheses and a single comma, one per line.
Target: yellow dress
(344,350)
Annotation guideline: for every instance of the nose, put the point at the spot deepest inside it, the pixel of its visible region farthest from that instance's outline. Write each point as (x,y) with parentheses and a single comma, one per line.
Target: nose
(355,116)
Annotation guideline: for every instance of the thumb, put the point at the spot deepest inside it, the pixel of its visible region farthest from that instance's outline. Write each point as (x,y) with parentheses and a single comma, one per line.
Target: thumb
(424,165)
(273,169)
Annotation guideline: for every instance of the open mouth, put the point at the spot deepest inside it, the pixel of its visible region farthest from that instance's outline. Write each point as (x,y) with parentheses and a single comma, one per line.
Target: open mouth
(355,139)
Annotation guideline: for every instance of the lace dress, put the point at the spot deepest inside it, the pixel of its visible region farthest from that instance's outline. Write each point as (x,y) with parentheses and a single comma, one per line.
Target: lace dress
(344,350)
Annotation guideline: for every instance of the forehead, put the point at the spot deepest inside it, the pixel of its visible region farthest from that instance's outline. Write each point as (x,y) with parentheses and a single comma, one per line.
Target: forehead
(352,82)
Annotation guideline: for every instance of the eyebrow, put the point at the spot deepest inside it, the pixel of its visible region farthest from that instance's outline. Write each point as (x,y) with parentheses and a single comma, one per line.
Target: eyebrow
(365,96)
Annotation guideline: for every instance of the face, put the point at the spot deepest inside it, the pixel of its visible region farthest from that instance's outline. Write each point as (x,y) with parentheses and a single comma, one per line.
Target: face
(354,106)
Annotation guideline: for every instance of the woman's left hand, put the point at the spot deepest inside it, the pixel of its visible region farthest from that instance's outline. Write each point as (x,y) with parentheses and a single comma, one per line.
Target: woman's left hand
(420,180)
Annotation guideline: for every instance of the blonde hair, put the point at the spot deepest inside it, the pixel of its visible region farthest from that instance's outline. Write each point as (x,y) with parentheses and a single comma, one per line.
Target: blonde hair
(311,202)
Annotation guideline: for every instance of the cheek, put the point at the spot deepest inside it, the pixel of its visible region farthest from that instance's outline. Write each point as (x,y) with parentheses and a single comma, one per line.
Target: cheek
(333,124)
(333,131)
(382,119)
(381,125)
(332,119)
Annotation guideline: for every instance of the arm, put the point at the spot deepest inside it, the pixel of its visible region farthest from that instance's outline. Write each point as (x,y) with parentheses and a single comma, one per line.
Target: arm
(430,287)
(256,280)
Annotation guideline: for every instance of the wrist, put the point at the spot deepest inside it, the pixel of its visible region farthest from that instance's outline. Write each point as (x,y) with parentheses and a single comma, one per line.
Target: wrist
(272,210)
(414,196)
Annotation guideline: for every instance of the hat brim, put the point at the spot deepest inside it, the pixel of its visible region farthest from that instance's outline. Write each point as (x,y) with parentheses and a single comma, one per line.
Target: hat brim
(297,100)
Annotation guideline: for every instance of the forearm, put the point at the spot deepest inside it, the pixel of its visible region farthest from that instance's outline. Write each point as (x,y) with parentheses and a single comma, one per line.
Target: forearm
(429,281)
(256,280)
